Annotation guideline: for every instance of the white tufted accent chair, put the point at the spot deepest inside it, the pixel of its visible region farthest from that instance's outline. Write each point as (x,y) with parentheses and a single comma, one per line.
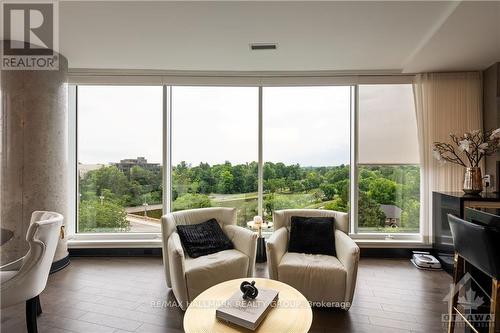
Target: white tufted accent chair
(320,278)
(189,277)
(24,279)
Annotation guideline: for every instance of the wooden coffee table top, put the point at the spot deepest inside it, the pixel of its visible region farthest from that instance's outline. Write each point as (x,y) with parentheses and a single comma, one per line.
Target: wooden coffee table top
(292,314)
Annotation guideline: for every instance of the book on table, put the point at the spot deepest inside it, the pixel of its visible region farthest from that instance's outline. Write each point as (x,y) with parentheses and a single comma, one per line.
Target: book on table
(247,313)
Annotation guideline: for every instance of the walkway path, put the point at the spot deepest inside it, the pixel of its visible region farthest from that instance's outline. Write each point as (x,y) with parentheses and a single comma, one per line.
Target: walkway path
(141,208)
(139,224)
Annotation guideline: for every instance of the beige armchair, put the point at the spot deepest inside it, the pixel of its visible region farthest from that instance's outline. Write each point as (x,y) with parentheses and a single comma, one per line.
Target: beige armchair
(320,278)
(189,277)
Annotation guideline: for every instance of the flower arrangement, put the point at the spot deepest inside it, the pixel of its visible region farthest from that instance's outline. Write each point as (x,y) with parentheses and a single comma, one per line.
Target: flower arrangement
(470,147)
(468,152)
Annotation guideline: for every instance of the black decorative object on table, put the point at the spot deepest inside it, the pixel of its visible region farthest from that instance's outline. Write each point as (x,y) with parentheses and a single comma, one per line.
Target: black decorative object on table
(249,290)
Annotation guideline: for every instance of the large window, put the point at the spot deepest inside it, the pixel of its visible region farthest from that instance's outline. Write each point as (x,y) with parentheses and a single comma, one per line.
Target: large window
(306,132)
(119,156)
(257,149)
(215,149)
(388,161)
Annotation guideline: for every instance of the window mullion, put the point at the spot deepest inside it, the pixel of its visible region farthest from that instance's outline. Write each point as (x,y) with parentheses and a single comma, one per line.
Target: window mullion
(260,176)
(354,160)
(167,149)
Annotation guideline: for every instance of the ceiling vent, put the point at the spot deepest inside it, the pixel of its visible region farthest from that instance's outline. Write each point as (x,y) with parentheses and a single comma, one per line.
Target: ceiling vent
(263,46)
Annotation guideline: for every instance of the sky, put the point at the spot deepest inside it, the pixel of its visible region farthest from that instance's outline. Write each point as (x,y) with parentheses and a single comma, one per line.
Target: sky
(305,125)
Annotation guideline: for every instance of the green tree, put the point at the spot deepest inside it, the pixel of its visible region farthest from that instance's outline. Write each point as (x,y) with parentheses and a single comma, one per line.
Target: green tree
(269,172)
(312,180)
(329,190)
(190,201)
(337,204)
(105,178)
(226,181)
(383,191)
(275,202)
(297,186)
(369,212)
(342,188)
(337,174)
(97,217)
(410,216)
(318,194)
(286,186)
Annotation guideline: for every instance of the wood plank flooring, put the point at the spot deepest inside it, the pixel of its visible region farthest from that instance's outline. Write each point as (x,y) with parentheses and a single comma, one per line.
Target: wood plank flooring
(129,295)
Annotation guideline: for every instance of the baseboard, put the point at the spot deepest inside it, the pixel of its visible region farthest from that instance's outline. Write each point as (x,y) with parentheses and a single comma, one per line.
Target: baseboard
(60,264)
(118,252)
(388,252)
(156,252)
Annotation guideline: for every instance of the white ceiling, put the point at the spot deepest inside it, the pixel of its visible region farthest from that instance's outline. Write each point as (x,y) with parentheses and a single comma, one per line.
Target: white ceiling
(355,36)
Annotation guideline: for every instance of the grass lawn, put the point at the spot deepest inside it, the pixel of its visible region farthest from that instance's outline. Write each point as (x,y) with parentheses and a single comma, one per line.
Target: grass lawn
(246,205)
(216,197)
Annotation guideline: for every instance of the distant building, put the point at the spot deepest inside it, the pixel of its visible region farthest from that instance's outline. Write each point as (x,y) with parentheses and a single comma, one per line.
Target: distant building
(83,169)
(392,215)
(128,163)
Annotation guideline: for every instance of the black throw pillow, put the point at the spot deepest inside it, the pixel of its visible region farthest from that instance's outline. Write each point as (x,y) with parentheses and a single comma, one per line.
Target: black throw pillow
(313,235)
(203,238)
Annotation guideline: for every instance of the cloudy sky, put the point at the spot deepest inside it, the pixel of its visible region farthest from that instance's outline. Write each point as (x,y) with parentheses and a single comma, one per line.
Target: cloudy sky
(305,125)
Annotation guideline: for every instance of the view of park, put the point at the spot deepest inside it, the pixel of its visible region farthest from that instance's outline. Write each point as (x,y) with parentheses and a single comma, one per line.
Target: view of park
(306,149)
(107,193)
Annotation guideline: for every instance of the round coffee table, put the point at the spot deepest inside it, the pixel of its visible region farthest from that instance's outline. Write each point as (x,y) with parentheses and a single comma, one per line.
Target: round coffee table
(292,314)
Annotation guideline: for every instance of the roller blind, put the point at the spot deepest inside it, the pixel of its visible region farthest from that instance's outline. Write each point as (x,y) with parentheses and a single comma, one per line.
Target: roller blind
(387,127)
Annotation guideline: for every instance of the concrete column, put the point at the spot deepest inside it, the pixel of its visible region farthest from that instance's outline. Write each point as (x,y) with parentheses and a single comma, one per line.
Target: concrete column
(33,152)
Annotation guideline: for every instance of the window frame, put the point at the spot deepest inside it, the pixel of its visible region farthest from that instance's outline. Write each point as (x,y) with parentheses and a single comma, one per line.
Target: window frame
(354,184)
(260,164)
(350,138)
(93,239)
(83,240)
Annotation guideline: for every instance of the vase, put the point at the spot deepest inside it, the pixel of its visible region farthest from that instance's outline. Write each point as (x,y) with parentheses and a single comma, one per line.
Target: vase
(473,180)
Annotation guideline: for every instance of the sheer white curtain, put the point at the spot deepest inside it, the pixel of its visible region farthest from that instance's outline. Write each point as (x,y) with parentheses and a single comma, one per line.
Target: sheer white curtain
(445,103)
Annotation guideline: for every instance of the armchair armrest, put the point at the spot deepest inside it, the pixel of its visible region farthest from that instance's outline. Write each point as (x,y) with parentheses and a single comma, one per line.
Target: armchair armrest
(348,254)
(276,247)
(244,241)
(13,266)
(177,270)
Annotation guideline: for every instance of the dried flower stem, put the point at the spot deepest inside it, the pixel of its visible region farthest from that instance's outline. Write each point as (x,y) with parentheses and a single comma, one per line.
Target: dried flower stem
(473,145)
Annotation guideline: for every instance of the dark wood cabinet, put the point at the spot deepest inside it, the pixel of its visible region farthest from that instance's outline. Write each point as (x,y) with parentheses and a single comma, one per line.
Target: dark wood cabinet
(444,203)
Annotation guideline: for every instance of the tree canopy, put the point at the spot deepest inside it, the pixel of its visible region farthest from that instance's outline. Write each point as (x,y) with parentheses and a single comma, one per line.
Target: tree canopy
(285,186)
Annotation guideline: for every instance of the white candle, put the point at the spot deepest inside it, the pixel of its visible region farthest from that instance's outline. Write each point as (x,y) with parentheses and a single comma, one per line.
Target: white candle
(257,220)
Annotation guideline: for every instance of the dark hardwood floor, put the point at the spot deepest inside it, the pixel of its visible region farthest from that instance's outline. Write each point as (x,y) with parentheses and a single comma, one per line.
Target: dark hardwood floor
(129,295)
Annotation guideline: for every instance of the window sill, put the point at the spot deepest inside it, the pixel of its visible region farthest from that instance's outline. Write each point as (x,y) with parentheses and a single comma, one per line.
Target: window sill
(392,244)
(89,242)
(115,240)
(114,243)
